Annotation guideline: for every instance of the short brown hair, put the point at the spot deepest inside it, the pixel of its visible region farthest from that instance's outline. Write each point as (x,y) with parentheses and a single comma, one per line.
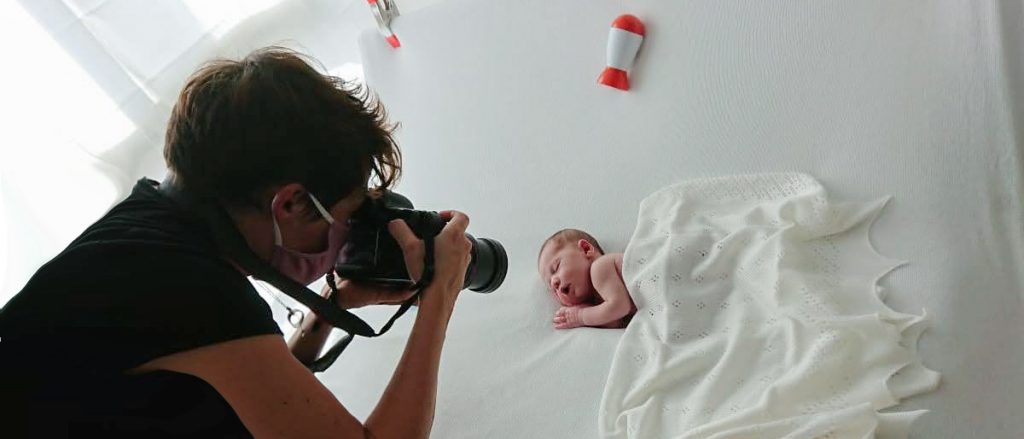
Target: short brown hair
(240,127)
(567,236)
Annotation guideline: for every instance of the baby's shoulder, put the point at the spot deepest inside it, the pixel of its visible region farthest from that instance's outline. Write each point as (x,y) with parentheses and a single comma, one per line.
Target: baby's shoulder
(606,265)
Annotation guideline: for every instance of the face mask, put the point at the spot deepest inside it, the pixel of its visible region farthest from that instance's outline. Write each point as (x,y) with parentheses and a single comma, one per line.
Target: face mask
(305,268)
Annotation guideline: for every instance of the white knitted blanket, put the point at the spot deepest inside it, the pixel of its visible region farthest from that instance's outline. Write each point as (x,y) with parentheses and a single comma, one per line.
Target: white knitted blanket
(759,317)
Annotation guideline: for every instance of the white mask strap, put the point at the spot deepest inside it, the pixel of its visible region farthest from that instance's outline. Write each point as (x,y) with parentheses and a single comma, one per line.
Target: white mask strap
(277,229)
(319,207)
(323,212)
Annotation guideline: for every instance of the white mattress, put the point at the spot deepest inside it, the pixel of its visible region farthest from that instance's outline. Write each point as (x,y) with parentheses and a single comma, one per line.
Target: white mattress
(501,118)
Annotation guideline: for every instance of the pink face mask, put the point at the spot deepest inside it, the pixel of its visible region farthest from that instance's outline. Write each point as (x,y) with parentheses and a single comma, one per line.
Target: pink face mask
(305,268)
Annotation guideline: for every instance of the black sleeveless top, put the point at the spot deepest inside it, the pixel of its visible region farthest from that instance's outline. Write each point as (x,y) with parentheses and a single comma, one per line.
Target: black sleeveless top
(142,282)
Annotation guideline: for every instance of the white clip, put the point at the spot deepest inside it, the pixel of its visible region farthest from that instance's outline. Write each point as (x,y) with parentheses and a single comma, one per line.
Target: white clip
(385,11)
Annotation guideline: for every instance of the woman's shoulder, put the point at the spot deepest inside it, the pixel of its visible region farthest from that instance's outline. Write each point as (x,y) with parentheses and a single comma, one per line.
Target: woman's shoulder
(146,219)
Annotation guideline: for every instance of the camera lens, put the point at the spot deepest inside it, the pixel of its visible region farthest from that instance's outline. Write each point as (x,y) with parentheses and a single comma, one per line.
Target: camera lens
(487,266)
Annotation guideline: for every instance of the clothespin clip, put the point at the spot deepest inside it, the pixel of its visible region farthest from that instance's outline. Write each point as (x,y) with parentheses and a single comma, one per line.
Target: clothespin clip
(385,11)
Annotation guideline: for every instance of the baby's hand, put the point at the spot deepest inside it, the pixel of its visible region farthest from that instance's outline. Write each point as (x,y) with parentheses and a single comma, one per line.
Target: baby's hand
(568,317)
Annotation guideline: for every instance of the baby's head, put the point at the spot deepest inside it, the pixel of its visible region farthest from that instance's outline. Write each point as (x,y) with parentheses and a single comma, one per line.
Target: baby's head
(564,265)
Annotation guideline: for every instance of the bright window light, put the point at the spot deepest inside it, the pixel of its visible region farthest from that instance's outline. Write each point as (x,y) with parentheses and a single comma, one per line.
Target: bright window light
(49,92)
(55,123)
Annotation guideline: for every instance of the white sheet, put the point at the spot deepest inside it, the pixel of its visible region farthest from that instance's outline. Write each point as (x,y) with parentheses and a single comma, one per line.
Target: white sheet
(759,318)
(502,118)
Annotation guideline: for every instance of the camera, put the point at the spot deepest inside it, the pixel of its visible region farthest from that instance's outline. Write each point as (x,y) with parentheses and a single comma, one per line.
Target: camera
(371,254)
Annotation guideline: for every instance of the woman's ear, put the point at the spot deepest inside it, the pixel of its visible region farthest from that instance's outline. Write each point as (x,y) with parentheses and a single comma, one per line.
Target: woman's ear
(288,201)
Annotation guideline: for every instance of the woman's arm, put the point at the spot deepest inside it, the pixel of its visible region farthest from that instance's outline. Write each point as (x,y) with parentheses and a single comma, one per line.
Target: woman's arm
(307,342)
(406,409)
(274,395)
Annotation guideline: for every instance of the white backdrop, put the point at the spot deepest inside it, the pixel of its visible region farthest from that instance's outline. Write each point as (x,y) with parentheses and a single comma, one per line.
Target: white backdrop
(502,118)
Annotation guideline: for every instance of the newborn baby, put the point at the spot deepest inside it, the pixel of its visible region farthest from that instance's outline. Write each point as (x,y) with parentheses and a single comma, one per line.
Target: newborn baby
(586,281)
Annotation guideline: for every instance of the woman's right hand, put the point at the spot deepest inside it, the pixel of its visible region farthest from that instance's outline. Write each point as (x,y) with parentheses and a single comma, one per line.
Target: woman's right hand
(451,254)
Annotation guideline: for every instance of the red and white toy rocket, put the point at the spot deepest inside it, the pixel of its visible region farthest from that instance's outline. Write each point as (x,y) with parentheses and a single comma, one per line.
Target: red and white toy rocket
(384,11)
(624,41)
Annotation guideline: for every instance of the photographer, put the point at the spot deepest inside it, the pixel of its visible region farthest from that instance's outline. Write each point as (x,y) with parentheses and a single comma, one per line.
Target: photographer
(141,327)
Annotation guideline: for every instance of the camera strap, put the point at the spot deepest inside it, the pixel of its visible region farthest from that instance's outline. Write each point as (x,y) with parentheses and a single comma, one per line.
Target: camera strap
(328,358)
(232,244)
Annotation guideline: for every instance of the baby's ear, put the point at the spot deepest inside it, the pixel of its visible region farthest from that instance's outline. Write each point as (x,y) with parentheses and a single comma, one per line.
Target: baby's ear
(585,246)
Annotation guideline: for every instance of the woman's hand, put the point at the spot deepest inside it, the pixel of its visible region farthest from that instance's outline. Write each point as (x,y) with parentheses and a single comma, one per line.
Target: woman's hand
(451,253)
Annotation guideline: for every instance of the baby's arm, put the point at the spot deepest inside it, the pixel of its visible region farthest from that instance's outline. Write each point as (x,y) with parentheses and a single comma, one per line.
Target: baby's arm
(608,283)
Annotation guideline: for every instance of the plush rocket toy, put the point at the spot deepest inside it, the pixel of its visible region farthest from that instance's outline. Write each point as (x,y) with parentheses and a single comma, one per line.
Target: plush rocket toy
(623,42)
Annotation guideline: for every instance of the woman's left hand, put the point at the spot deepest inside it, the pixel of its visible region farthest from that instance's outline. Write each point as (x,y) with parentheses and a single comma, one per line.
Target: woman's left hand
(351,295)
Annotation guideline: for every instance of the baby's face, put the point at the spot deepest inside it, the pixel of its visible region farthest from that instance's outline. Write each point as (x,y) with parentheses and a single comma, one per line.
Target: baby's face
(566,271)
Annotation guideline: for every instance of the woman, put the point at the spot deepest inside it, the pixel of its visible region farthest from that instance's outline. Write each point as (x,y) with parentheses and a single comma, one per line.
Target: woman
(141,328)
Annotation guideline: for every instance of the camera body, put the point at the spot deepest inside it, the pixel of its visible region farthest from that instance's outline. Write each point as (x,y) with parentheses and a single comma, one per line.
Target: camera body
(371,254)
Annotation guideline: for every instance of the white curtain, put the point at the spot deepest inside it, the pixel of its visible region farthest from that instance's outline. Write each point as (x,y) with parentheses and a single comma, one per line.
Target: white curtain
(86,87)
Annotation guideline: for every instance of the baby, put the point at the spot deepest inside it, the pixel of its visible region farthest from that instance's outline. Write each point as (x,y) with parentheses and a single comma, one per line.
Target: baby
(586,281)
